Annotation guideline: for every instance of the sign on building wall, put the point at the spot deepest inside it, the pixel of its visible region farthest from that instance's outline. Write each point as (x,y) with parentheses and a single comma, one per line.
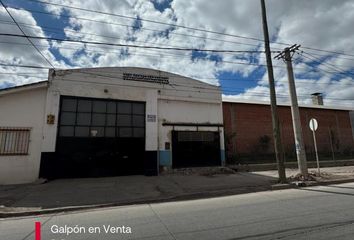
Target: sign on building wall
(145,78)
(151,118)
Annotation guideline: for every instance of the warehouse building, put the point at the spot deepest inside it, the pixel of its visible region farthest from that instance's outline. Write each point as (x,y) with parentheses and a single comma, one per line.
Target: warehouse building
(108,122)
(249,135)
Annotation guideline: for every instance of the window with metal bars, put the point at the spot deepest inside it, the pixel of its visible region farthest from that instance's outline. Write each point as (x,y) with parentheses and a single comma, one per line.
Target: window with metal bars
(14,140)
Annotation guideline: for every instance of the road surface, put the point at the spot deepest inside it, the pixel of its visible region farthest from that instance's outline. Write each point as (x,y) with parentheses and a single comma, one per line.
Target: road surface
(325,212)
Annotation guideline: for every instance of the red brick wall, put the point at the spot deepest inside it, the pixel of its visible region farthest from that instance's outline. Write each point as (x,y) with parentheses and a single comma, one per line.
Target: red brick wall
(251,121)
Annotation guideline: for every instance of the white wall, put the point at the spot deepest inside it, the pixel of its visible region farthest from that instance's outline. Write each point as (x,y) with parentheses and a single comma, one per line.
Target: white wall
(182,100)
(187,95)
(86,85)
(23,109)
(190,112)
(175,111)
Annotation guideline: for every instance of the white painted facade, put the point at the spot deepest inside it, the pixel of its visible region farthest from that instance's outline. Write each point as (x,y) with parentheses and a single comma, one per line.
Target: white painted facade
(23,108)
(182,100)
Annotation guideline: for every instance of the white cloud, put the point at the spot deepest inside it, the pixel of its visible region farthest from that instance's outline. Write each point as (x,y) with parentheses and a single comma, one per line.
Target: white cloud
(19,51)
(323,24)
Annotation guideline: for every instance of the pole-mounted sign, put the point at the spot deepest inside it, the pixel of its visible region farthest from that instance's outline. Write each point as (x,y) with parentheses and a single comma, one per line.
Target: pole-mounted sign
(313,126)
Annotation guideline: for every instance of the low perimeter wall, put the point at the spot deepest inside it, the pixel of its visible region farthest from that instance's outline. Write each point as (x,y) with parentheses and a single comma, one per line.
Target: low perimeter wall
(273,166)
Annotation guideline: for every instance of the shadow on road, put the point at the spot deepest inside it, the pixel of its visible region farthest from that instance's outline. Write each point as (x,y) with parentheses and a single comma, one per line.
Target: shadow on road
(324,191)
(341,187)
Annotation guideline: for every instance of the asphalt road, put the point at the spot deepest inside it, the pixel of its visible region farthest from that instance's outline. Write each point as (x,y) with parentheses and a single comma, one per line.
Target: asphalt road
(308,213)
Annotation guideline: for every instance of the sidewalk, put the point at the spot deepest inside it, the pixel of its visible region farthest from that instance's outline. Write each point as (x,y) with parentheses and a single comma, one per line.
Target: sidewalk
(328,173)
(74,194)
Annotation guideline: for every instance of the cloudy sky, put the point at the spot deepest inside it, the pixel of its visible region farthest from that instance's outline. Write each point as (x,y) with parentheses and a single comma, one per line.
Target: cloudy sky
(324,28)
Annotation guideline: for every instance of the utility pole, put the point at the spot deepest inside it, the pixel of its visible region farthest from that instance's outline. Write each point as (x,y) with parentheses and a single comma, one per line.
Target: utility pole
(273,100)
(299,143)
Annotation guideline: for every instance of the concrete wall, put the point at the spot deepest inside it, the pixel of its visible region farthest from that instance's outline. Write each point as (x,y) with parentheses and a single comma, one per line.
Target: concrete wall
(23,109)
(249,122)
(70,85)
(191,112)
(182,100)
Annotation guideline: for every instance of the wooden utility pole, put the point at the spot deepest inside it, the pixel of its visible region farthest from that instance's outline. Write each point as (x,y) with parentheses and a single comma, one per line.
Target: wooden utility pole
(299,143)
(273,100)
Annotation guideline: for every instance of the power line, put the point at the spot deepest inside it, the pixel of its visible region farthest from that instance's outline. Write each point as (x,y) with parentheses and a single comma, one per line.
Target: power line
(301,82)
(34,74)
(314,60)
(24,34)
(328,51)
(232,90)
(145,20)
(187,34)
(170,55)
(133,27)
(255,93)
(331,66)
(221,79)
(23,66)
(181,26)
(128,45)
(326,55)
(24,75)
(225,90)
(106,46)
(60,31)
(230,62)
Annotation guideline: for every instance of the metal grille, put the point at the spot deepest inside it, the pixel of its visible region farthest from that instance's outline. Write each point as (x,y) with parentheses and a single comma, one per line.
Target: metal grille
(14,141)
(190,136)
(145,78)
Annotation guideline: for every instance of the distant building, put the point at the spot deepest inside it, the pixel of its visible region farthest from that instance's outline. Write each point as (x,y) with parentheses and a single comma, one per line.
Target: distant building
(249,137)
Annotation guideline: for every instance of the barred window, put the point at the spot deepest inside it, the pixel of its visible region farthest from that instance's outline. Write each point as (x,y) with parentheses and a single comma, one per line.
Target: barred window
(14,141)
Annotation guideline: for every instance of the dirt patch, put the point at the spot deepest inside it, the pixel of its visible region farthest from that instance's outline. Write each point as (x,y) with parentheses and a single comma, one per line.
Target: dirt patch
(204,171)
(314,176)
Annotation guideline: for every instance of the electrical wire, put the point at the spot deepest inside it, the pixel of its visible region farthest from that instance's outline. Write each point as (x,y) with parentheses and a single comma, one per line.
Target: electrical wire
(127,45)
(145,20)
(205,88)
(84,34)
(181,26)
(299,81)
(331,66)
(133,27)
(24,34)
(165,56)
(196,89)
(332,72)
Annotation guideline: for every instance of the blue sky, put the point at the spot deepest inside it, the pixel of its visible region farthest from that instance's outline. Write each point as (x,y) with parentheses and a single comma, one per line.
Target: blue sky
(237,79)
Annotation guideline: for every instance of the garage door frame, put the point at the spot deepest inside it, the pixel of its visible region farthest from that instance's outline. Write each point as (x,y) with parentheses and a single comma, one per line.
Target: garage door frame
(140,137)
(208,154)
